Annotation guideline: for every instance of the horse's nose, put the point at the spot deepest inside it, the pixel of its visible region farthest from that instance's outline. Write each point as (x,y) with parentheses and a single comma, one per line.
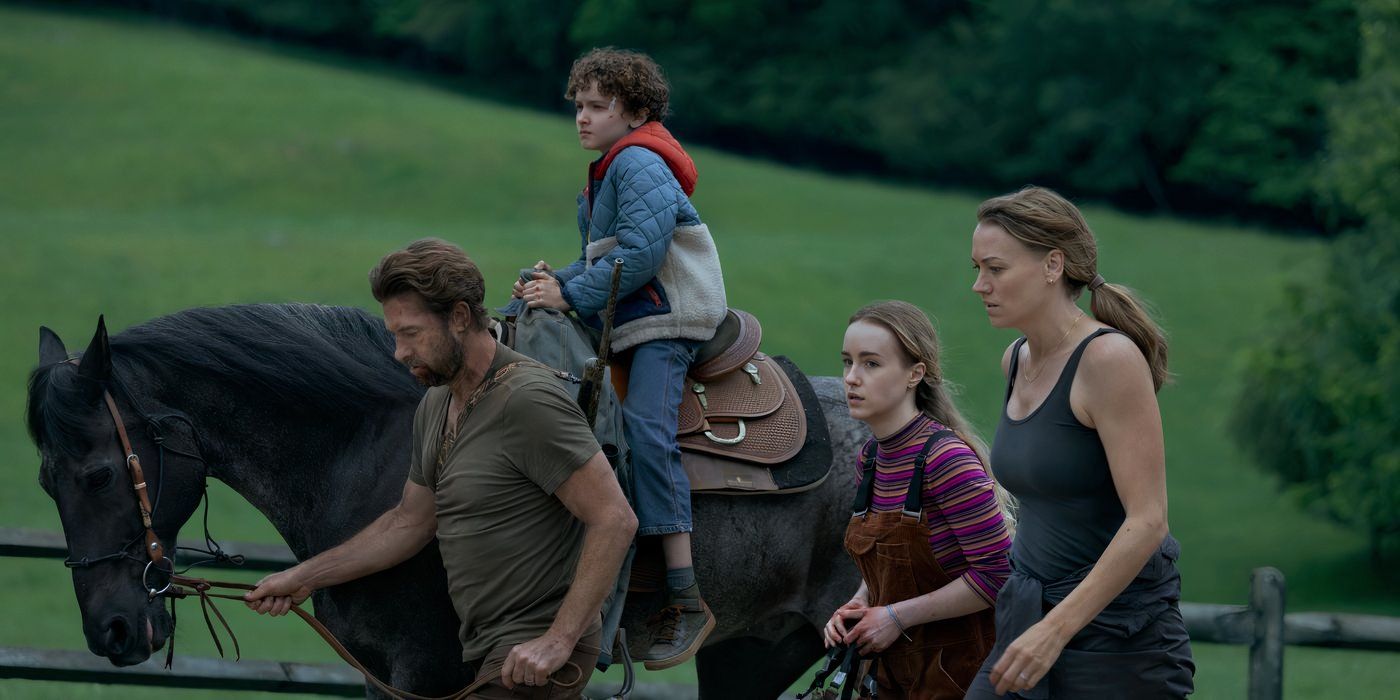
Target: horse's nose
(117,637)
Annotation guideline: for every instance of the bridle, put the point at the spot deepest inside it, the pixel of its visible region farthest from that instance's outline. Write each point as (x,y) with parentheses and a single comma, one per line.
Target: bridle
(178,586)
(155,551)
(156,562)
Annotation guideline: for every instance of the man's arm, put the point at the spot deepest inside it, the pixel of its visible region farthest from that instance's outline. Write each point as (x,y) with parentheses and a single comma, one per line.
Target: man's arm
(391,538)
(592,494)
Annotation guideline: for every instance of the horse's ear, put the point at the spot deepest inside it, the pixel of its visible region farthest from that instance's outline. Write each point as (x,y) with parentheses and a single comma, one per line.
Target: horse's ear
(97,360)
(51,350)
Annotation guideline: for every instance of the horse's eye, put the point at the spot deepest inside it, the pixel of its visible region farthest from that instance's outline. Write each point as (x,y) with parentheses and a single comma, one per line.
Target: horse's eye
(98,479)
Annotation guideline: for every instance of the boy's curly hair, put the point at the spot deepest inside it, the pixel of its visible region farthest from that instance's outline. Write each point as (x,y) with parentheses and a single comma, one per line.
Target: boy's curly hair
(629,76)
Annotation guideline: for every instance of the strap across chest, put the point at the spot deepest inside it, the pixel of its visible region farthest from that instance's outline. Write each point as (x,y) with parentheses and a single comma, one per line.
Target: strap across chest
(449,437)
(914,496)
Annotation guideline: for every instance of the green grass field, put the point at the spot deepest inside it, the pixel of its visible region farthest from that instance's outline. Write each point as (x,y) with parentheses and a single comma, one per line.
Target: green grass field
(146,168)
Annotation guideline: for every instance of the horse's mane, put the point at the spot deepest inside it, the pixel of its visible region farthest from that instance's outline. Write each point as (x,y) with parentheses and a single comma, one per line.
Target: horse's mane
(318,358)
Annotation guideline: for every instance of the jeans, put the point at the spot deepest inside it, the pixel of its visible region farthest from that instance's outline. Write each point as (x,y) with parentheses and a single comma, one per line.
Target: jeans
(650,414)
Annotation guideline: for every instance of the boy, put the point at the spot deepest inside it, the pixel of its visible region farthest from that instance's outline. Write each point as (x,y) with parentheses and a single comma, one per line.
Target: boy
(636,207)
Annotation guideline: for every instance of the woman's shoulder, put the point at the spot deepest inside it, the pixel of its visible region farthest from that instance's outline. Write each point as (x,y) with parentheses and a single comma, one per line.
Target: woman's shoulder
(1112,356)
(1113,377)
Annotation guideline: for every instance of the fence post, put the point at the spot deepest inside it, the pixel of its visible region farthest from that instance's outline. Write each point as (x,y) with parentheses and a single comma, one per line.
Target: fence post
(1266,603)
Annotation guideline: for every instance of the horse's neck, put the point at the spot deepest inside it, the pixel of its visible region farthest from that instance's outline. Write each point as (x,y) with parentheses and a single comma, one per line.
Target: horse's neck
(318,479)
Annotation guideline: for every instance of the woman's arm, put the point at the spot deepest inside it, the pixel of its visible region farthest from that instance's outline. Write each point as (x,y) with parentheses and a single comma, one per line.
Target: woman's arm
(1112,393)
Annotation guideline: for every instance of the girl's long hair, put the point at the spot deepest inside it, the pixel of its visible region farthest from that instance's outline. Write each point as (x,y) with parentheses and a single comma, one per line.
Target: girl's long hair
(933,396)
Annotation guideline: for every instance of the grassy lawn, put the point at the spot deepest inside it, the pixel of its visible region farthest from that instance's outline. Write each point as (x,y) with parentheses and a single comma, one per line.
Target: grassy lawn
(149,168)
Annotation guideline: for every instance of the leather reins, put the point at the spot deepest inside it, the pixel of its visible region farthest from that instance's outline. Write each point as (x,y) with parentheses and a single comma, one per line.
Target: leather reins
(180,586)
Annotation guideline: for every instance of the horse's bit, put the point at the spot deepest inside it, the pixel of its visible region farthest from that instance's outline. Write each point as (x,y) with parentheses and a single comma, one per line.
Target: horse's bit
(155,552)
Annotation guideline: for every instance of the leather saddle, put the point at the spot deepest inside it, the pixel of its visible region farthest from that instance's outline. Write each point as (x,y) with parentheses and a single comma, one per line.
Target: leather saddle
(742,415)
(738,403)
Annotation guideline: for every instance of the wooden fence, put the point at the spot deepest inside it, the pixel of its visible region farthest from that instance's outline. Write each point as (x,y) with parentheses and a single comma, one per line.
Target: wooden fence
(1262,625)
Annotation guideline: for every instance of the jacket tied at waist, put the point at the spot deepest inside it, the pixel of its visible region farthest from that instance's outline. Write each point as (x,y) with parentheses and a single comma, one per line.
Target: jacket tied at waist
(1024,600)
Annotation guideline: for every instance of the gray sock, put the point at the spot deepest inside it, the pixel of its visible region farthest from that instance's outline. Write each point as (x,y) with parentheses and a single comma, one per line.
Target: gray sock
(680,579)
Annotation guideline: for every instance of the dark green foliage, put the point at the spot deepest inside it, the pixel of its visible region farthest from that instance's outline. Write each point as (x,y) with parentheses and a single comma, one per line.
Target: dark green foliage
(1321,404)
(1264,118)
(1093,97)
(1194,105)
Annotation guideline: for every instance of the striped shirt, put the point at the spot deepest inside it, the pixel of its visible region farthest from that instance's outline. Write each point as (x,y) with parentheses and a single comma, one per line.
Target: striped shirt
(966,531)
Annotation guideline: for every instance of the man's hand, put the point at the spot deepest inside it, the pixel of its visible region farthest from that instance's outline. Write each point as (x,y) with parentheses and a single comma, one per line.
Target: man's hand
(276,593)
(533,662)
(544,292)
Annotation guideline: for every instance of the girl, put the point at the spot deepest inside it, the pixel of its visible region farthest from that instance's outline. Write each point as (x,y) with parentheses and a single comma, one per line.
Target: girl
(927,532)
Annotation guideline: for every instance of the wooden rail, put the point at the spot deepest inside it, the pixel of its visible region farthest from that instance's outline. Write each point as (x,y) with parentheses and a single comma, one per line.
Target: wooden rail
(24,542)
(217,674)
(1262,625)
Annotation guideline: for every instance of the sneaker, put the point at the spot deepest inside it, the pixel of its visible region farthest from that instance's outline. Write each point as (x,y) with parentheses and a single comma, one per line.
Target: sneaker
(678,630)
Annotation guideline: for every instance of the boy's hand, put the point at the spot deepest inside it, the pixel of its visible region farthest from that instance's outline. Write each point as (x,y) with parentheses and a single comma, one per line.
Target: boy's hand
(544,292)
(518,289)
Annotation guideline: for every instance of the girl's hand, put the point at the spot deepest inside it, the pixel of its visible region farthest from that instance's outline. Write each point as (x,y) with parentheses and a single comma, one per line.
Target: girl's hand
(875,632)
(835,629)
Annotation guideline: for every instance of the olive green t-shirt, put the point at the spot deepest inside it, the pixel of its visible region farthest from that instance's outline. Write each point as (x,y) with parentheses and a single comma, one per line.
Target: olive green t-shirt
(509,545)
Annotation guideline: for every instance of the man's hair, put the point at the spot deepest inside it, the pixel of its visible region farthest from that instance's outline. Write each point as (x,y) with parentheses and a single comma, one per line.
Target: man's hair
(629,76)
(438,272)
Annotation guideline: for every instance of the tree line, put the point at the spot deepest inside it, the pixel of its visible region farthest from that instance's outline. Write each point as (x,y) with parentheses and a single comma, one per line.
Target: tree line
(1189,106)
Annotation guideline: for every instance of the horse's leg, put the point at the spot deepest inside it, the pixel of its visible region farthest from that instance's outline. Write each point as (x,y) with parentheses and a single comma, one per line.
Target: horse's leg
(749,667)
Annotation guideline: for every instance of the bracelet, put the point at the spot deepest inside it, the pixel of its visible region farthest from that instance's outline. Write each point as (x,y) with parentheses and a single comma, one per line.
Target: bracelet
(890,609)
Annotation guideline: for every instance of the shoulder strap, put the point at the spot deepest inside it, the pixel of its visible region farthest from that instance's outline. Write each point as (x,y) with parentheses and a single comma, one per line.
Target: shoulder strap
(866,491)
(1060,392)
(1011,369)
(914,498)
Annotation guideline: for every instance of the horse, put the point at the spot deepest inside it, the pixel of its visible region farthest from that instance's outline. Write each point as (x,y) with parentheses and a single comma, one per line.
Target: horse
(302,410)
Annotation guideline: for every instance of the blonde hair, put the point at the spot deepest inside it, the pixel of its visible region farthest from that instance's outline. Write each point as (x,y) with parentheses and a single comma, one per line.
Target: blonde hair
(914,331)
(1044,221)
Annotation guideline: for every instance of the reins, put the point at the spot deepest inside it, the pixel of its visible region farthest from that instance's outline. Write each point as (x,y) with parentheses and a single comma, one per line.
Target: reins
(179,586)
(202,587)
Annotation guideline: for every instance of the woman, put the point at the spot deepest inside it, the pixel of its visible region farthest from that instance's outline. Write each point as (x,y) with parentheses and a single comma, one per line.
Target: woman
(1090,609)
(927,531)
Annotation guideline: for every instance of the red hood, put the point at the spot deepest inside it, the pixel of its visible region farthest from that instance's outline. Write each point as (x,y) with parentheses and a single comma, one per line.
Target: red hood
(655,138)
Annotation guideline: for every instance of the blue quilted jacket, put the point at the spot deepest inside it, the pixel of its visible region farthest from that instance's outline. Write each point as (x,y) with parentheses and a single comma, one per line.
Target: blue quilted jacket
(640,202)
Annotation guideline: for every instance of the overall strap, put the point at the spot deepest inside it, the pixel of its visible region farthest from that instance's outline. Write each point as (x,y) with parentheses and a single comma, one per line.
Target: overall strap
(865,493)
(914,499)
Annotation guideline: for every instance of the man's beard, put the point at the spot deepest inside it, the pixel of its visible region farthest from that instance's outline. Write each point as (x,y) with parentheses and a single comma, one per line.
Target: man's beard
(446,363)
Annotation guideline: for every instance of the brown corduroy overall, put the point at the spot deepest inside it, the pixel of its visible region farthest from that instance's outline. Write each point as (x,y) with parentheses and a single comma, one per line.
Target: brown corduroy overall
(892,551)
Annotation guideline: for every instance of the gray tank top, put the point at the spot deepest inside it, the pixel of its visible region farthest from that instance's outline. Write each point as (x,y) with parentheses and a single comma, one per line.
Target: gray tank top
(1056,468)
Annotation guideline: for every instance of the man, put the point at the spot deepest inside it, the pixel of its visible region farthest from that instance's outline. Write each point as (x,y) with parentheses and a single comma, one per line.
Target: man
(505,472)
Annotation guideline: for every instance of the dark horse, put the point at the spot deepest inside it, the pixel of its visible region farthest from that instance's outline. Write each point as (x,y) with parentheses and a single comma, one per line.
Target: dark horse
(303,411)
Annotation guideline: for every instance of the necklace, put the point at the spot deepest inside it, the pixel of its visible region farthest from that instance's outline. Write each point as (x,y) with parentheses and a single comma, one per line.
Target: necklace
(450,438)
(1026,373)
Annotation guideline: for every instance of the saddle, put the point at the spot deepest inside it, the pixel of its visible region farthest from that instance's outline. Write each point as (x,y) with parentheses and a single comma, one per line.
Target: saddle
(749,422)
(738,404)
(742,415)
